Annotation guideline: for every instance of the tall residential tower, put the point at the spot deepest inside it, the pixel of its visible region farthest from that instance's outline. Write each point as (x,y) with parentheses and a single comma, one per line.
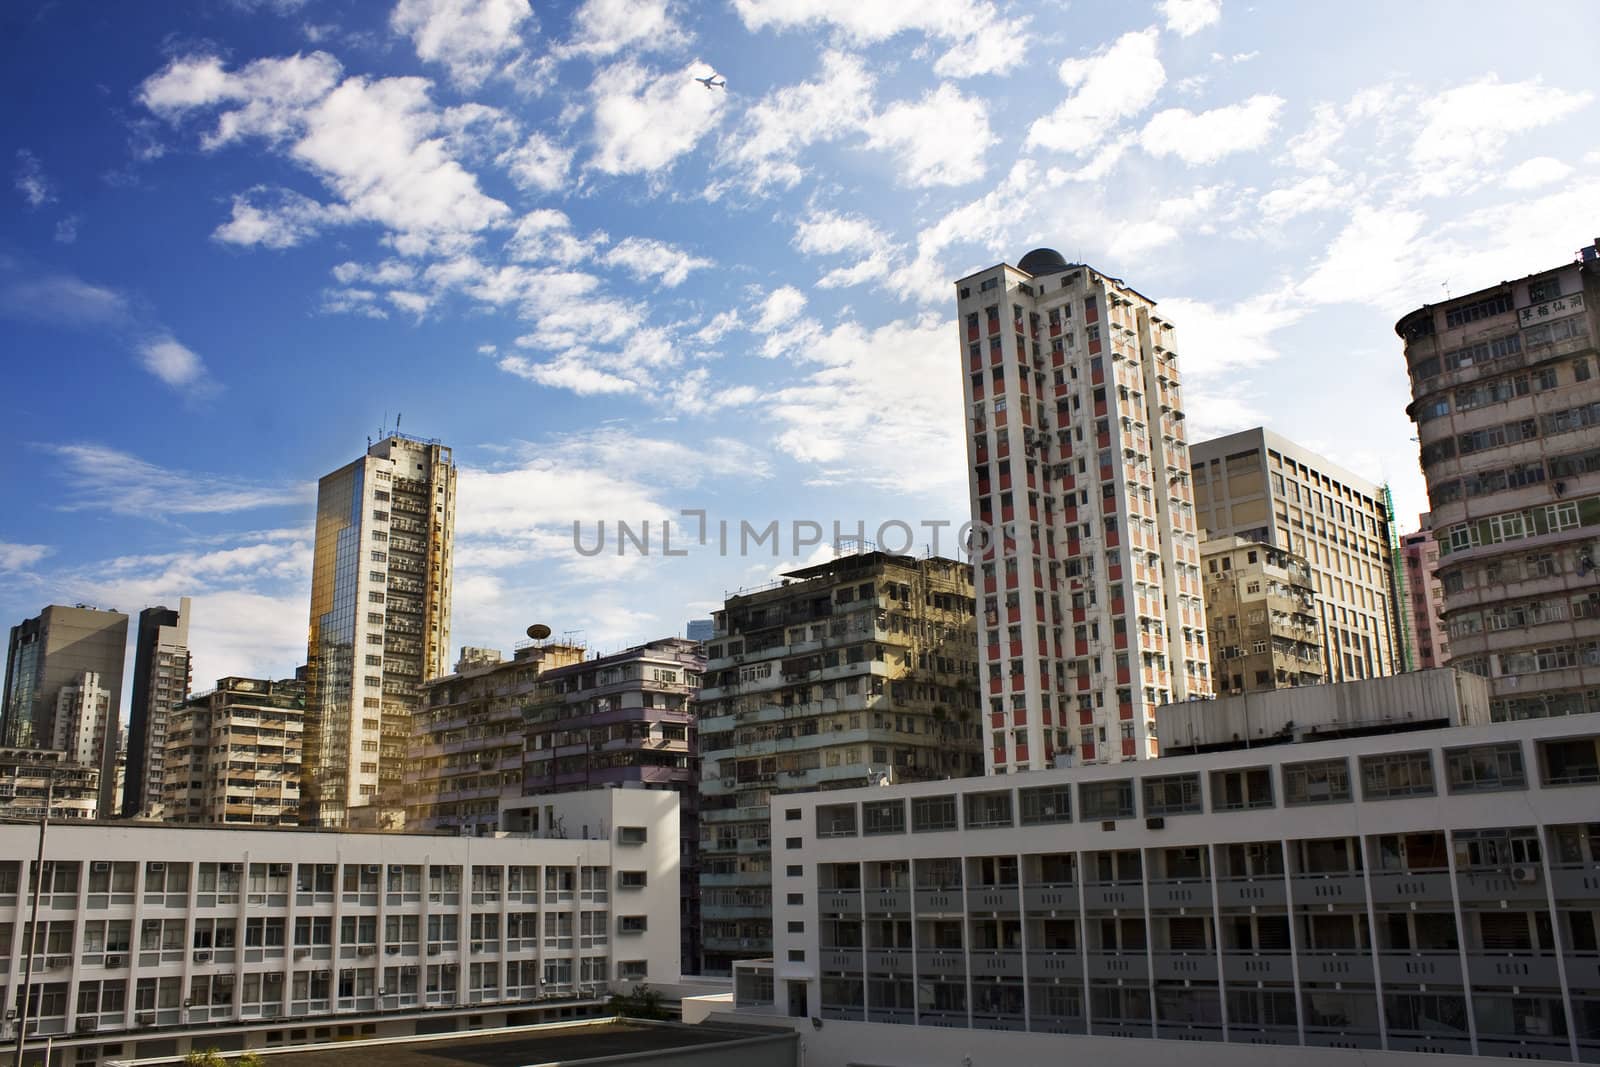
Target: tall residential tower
(161,678)
(1505,386)
(380,624)
(1089,591)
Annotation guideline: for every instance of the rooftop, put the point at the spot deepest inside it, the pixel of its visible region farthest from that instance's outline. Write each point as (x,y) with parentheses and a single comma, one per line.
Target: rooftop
(564,1043)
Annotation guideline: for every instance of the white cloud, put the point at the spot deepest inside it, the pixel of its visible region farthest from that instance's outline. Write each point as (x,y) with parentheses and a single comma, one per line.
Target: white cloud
(605,27)
(65,300)
(107,479)
(382,146)
(765,147)
(568,371)
(721,324)
(31,181)
(1188,17)
(1214,341)
(546,235)
(645,258)
(286,220)
(827,233)
(966,24)
(67,229)
(1537,172)
(1465,129)
(643,121)
(1115,83)
(1208,136)
(942,139)
(538,163)
(469,37)
(1315,193)
(390,272)
(779,308)
(172,362)
(15,557)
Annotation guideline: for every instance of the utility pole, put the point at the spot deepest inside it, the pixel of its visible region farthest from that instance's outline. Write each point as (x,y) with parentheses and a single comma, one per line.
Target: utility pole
(33,922)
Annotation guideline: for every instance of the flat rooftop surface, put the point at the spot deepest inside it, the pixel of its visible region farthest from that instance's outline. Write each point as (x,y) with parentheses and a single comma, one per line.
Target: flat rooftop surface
(573,1044)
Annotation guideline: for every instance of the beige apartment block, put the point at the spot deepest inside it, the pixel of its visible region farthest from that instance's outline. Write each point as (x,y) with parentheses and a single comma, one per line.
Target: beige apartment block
(380,625)
(1261,612)
(1506,399)
(1090,611)
(1262,487)
(1425,597)
(234,754)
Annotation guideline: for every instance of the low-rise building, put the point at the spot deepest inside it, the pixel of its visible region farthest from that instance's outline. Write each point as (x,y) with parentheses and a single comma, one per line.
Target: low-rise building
(233,755)
(1261,612)
(155,938)
(1371,866)
(28,776)
(856,670)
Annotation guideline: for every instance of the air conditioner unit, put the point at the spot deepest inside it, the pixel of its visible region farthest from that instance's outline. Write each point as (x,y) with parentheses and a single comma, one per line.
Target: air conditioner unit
(145,1018)
(86,1026)
(327,868)
(391,950)
(302,953)
(410,968)
(57,963)
(113,961)
(367,950)
(1525,874)
(374,868)
(156,867)
(280,868)
(451,968)
(99,866)
(236,868)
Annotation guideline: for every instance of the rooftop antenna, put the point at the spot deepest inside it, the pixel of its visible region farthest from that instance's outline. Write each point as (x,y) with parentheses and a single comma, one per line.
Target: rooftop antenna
(1445,285)
(397,417)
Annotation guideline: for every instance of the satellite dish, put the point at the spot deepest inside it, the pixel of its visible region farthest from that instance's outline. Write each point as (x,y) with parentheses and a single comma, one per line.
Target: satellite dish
(538,631)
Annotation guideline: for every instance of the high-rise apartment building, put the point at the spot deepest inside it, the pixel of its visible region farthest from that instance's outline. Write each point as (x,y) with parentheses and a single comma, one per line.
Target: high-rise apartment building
(233,754)
(1090,612)
(1506,398)
(380,624)
(55,649)
(1425,597)
(1262,487)
(29,776)
(467,739)
(1261,614)
(845,673)
(161,678)
(82,717)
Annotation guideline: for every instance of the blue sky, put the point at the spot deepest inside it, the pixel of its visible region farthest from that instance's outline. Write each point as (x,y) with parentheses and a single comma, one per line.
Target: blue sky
(238,235)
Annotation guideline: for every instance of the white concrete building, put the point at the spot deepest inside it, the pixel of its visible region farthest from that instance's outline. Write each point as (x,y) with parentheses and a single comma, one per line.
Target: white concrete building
(1322,879)
(152,934)
(83,710)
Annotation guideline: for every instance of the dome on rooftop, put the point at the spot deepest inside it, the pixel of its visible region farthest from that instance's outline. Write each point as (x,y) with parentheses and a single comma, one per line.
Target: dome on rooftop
(1042,261)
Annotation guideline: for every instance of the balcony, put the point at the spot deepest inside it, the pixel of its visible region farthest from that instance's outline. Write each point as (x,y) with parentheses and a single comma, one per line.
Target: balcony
(1578,882)
(889,960)
(996,962)
(1244,966)
(1111,896)
(1267,891)
(992,898)
(939,902)
(889,901)
(1055,963)
(1350,965)
(1199,965)
(941,961)
(1124,965)
(1512,969)
(1050,898)
(1489,886)
(840,901)
(1180,893)
(1397,888)
(1318,889)
(1420,968)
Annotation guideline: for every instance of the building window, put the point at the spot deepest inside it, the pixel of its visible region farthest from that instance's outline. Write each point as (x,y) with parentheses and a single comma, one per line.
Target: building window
(932,814)
(988,810)
(1104,801)
(1241,790)
(1485,768)
(1400,774)
(883,817)
(1046,804)
(1571,761)
(1316,782)
(836,820)
(1174,794)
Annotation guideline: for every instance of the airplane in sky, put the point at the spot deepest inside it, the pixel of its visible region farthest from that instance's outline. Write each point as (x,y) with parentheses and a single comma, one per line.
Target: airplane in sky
(713,82)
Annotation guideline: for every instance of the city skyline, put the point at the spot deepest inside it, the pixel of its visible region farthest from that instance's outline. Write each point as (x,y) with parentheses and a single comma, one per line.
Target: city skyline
(549,193)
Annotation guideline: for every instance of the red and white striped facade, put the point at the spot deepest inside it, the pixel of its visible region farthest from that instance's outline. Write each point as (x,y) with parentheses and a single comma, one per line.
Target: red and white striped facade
(1090,610)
